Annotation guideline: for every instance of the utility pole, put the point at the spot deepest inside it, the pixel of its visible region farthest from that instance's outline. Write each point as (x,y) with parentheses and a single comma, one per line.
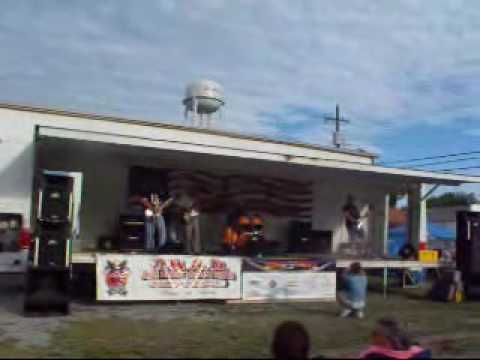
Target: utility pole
(337,135)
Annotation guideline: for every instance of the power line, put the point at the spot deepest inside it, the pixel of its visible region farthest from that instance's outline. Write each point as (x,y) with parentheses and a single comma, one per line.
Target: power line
(461,168)
(431,158)
(449,161)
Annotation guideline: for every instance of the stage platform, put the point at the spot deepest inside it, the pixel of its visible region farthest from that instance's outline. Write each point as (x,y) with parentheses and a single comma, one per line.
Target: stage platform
(368,264)
(388,263)
(91,258)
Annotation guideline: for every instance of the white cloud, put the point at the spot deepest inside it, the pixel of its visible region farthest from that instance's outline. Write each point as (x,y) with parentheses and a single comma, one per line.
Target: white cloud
(389,64)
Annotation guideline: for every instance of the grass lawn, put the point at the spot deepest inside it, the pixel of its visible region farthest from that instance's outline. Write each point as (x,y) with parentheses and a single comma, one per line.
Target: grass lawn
(245,330)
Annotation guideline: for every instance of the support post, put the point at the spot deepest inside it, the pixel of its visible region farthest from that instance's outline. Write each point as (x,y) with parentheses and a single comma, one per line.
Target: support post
(195,112)
(385,281)
(417,217)
(386,222)
(423,240)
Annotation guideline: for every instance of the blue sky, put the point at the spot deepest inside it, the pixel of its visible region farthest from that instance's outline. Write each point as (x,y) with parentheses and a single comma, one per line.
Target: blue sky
(405,72)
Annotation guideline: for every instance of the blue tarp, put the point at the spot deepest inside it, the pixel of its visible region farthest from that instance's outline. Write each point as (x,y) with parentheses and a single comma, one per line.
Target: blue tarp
(397,237)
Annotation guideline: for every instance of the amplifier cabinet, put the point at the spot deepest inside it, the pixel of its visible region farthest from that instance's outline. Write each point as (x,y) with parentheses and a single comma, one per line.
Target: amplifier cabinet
(132,232)
(303,239)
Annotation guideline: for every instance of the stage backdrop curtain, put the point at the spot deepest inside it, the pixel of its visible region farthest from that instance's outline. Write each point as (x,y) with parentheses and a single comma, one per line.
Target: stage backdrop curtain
(223,193)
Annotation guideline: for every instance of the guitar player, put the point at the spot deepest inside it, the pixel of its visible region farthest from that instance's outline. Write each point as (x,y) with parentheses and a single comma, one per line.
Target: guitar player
(191,218)
(352,220)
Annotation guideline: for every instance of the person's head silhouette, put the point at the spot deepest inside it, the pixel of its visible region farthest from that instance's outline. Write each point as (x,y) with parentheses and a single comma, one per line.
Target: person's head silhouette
(291,341)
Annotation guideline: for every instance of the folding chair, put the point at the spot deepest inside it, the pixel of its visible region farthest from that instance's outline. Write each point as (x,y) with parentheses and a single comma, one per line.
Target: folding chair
(409,280)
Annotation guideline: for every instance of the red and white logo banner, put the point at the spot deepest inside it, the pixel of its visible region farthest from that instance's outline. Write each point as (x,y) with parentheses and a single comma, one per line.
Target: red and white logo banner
(167,277)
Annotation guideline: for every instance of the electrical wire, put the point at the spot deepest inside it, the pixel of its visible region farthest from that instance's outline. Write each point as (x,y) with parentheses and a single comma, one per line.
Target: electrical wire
(449,161)
(461,168)
(431,158)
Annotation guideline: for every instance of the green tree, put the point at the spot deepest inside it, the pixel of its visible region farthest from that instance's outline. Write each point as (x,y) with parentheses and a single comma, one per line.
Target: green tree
(452,199)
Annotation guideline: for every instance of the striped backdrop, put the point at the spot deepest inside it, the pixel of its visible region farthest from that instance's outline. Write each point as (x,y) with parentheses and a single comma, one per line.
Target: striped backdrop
(217,193)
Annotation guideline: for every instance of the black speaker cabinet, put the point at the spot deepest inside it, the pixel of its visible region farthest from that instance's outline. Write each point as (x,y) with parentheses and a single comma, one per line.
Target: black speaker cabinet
(108,243)
(52,246)
(55,199)
(320,242)
(468,251)
(132,232)
(299,235)
(47,290)
(305,240)
(83,283)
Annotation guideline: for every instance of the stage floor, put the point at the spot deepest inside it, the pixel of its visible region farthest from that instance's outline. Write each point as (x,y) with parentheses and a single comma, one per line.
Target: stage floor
(91,258)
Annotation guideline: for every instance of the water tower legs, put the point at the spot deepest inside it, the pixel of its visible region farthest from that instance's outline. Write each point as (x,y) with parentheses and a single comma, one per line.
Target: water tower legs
(209,121)
(195,117)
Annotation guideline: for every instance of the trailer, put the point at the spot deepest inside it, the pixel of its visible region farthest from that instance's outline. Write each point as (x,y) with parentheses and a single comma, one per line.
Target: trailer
(107,150)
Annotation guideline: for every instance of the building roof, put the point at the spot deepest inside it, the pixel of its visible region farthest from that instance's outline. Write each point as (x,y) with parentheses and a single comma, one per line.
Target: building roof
(244,146)
(44,110)
(333,167)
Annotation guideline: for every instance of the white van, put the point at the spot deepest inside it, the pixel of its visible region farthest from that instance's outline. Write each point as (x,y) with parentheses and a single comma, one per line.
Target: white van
(15,244)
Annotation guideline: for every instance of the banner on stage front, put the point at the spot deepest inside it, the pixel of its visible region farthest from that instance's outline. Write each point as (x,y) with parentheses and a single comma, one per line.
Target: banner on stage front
(289,285)
(167,277)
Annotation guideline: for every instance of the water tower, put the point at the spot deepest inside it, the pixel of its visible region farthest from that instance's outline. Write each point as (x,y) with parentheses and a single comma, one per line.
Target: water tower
(203,99)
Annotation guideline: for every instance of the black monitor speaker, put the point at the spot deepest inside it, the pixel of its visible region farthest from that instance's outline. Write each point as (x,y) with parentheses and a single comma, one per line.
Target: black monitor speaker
(303,239)
(320,242)
(299,235)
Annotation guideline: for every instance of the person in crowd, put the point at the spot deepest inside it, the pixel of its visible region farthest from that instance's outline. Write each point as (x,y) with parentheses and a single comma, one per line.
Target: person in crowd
(291,341)
(390,341)
(354,296)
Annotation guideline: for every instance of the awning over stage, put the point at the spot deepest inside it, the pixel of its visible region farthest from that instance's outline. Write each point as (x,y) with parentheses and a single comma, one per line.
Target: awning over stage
(106,152)
(259,152)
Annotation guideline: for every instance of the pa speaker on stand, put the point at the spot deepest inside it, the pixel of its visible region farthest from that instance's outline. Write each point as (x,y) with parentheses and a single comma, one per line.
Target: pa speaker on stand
(48,279)
(55,199)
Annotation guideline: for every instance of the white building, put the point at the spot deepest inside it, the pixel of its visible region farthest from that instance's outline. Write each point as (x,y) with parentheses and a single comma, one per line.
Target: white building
(105,148)
(447,215)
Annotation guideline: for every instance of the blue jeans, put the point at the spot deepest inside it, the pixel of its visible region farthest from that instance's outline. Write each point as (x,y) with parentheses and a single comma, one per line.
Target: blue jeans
(155,225)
